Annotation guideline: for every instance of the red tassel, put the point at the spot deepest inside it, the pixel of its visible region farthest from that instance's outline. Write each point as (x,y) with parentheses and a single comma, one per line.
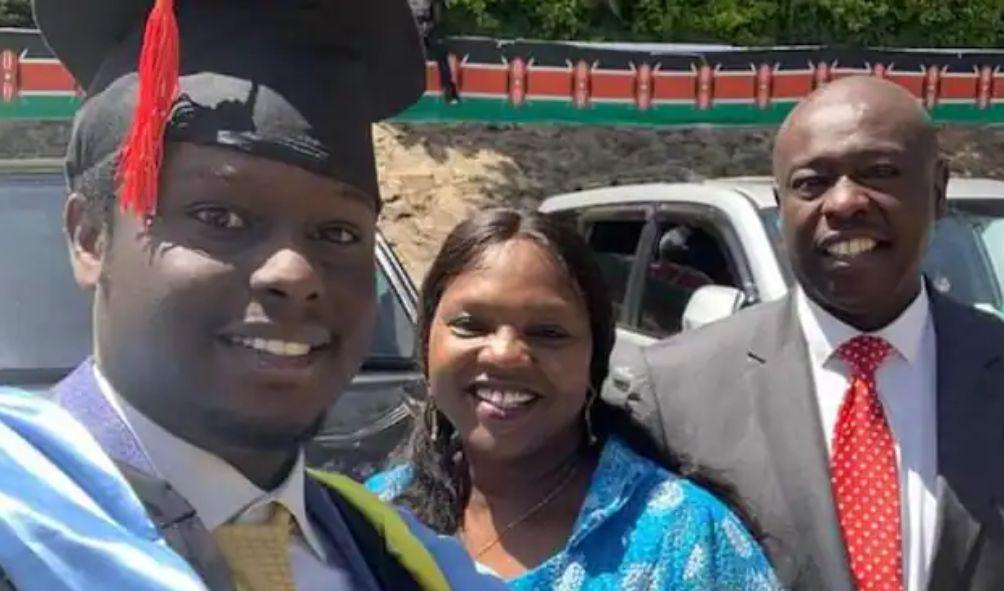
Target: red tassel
(143,147)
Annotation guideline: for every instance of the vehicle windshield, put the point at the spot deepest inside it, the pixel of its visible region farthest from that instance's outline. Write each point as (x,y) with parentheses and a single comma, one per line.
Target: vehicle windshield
(966,257)
(45,319)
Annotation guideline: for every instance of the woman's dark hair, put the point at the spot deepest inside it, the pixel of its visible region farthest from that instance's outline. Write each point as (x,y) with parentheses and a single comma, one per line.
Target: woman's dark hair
(440,486)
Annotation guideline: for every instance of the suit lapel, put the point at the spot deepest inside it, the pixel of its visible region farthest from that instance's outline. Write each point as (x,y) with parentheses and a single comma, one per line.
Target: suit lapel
(80,395)
(779,374)
(970,440)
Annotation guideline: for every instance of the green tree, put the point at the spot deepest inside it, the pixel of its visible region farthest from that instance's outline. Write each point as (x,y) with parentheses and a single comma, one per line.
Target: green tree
(16,13)
(890,23)
(884,23)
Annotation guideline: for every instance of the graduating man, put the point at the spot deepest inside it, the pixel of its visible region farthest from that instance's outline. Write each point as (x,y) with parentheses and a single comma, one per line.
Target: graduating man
(861,417)
(223,205)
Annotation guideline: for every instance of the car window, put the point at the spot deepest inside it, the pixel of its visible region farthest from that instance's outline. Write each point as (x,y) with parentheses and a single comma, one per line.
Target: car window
(45,320)
(395,331)
(686,256)
(615,243)
(960,261)
(771,217)
(993,237)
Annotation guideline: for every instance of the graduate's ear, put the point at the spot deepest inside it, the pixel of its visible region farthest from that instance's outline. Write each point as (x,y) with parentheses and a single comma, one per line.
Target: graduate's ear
(86,235)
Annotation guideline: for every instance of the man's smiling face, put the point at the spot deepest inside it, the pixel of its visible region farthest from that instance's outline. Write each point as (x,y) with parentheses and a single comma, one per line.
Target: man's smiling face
(859,185)
(246,305)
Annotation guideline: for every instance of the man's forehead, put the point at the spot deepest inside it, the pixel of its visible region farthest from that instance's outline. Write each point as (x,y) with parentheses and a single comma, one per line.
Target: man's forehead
(833,129)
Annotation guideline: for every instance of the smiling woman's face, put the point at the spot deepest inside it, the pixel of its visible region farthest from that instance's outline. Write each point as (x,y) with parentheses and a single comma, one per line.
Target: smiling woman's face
(509,353)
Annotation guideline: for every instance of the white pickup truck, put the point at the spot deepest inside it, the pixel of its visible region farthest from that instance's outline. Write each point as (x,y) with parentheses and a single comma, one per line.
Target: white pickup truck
(677,255)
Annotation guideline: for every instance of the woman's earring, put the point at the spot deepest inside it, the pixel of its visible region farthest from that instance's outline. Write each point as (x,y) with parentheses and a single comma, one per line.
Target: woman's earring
(432,420)
(590,434)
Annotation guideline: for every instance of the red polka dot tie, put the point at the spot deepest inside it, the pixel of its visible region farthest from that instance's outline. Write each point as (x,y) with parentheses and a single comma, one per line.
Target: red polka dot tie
(865,475)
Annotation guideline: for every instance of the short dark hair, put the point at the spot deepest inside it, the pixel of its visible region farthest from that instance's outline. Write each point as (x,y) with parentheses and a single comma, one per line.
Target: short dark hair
(97,184)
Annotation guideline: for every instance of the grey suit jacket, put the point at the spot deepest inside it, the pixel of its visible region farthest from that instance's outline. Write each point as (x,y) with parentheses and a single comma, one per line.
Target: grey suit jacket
(737,397)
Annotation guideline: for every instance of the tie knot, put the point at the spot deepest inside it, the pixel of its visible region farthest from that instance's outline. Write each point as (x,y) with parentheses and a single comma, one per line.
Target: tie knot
(258,553)
(865,353)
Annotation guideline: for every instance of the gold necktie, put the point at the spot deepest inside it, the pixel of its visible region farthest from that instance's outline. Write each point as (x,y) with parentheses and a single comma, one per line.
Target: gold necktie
(258,554)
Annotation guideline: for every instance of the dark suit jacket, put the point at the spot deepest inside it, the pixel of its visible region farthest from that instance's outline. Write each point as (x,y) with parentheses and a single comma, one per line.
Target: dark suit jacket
(737,397)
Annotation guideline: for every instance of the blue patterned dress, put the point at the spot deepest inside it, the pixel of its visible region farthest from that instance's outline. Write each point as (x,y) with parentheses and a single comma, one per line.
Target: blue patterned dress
(641,528)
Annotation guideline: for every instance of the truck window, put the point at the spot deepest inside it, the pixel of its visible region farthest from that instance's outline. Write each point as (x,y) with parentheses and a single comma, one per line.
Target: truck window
(45,320)
(615,244)
(959,263)
(685,257)
(394,333)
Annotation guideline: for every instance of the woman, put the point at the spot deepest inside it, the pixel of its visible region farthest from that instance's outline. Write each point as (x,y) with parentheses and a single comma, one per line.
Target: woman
(515,453)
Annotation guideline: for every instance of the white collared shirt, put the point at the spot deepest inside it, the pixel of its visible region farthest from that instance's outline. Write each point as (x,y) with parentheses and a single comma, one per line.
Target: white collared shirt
(907,387)
(220,494)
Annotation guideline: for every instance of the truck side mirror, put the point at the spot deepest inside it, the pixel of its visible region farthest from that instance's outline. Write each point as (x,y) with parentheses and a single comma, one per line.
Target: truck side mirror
(710,303)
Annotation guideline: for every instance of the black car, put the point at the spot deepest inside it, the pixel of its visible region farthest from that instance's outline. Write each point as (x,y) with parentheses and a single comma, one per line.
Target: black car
(45,325)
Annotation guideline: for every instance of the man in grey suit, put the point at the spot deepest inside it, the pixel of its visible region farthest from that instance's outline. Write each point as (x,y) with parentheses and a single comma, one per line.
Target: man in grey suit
(861,418)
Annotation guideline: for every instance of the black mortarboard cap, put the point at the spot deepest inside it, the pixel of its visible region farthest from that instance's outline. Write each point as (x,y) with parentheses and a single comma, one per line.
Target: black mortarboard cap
(299,81)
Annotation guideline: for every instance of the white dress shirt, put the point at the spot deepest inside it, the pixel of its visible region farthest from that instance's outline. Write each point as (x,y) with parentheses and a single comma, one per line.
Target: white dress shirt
(907,384)
(220,494)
